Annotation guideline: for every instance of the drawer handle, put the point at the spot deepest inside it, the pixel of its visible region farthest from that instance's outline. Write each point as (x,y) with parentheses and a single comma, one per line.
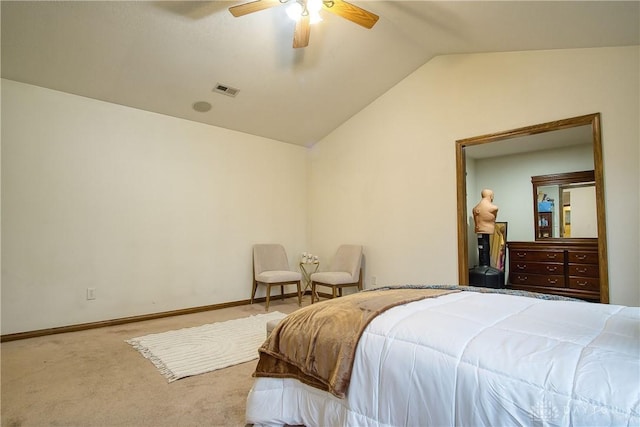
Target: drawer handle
(552,281)
(521,254)
(581,270)
(552,256)
(579,283)
(552,268)
(521,266)
(581,257)
(522,278)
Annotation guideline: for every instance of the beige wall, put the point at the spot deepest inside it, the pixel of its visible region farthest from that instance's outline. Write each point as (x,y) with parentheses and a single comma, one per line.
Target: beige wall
(386,178)
(159,213)
(155,213)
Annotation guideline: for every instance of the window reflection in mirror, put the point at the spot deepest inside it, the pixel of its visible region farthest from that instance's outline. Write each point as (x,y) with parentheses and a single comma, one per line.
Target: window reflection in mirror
(565,205)
(579,217)
(556,205)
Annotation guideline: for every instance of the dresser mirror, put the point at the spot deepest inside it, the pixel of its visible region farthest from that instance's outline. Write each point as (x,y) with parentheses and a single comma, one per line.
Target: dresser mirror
(564,205)
(538,141)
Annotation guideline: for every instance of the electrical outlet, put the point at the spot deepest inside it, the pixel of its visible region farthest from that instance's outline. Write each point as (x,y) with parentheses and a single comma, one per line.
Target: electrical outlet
(373,280)
(91,293)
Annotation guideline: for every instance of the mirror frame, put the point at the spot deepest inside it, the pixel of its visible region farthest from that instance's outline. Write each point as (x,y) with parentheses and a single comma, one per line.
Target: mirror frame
(461,183)
(558,179)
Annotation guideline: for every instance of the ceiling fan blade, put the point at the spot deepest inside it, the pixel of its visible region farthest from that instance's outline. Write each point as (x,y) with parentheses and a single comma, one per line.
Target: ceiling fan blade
(302,32)
(254,6)
(351,12)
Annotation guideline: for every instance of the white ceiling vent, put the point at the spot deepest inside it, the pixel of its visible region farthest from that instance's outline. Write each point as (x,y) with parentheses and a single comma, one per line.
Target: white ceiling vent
(226,90)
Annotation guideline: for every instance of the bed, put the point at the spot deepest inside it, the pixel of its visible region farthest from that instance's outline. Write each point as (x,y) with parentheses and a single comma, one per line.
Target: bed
(471,357)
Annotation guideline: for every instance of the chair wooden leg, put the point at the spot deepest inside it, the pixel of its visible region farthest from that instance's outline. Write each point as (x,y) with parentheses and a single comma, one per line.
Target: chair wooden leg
(299,294)
(253,291)
(268,295)
(282,292)
(333,288)
(340,292)
(313,291)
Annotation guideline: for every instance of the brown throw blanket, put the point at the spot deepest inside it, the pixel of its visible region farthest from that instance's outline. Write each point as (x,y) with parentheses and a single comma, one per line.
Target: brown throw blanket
(317,344)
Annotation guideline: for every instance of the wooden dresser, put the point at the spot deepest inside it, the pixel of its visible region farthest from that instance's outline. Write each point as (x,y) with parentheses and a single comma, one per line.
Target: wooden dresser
(560,268)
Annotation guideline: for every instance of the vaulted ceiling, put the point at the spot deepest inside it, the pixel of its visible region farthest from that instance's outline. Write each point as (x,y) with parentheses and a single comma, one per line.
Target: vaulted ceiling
(165,56)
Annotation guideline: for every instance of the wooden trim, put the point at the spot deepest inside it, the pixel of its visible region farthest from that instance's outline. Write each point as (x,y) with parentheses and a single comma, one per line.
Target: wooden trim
(461,191)
(124,320)
(603,261)
(588,119)
(564,178)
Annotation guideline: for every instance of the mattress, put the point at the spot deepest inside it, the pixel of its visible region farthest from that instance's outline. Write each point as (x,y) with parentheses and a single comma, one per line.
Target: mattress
(472,359)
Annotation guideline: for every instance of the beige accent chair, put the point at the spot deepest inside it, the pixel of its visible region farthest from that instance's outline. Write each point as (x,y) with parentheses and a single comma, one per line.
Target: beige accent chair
(345,271)
(271,268)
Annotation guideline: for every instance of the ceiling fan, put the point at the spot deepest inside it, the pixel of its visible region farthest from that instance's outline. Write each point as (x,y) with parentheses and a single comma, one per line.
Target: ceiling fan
(306,11)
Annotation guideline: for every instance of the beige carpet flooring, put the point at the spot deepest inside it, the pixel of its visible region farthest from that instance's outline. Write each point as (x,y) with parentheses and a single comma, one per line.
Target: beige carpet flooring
(94,378)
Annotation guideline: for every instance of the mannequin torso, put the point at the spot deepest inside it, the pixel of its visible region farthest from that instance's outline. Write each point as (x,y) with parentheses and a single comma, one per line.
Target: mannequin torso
(485,214)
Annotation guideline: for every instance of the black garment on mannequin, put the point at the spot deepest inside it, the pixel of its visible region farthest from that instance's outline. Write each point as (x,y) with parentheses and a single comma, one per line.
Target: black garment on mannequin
(484,253)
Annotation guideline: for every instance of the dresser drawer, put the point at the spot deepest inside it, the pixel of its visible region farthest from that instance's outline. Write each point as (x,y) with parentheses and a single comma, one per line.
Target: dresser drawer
(584,283)
(536,267)
(582,257)
(584,270)
(533,255)
(568,267)
(536,279)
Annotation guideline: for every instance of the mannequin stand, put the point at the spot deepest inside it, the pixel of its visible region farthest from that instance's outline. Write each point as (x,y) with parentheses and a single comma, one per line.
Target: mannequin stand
(484,275)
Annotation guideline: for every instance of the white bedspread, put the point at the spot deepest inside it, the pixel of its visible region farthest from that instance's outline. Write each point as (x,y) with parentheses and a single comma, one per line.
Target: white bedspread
(474,359)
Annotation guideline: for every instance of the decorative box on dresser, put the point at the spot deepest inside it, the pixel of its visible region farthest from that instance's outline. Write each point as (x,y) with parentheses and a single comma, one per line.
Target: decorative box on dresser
(568,268)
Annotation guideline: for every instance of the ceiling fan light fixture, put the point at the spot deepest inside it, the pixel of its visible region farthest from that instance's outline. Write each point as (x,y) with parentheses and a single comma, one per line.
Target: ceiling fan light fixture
(307,12)
(314,6)
(294,10)
(300,8)
(314,17)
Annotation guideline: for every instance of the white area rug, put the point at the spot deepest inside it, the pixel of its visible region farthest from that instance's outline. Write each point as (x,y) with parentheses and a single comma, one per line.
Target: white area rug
(192,351)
